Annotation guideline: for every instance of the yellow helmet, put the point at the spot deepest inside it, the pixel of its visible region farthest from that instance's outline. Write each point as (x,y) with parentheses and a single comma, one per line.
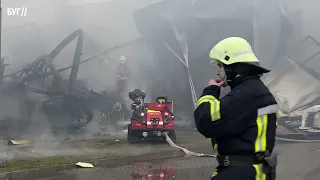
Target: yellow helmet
(123,58)
(233,50)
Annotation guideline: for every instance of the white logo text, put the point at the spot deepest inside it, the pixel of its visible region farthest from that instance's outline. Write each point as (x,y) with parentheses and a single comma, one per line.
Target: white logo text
(21,11)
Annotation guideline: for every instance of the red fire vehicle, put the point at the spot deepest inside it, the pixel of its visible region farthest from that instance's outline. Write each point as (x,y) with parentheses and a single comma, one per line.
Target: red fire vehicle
(152,121)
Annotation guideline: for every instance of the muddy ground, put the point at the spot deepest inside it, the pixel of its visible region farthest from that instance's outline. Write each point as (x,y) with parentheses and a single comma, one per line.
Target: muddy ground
(44,154)
(296,162)
(299,161)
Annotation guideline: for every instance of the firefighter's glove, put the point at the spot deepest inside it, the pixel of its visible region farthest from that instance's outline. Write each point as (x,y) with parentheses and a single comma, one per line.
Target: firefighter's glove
(269,165)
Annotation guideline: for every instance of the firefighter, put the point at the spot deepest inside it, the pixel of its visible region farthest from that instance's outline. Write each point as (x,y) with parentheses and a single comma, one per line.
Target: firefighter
(122,79)
(242,124)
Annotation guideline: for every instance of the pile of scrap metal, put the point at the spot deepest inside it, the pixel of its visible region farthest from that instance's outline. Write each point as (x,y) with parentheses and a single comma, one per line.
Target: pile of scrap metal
(297,90)
(65,105)
(294,81)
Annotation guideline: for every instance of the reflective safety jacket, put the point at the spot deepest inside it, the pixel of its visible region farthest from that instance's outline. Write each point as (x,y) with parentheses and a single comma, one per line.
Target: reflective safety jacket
(243,121)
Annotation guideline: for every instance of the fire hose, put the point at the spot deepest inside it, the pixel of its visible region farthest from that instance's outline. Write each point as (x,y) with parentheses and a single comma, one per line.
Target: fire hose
(190,153)
(288,140)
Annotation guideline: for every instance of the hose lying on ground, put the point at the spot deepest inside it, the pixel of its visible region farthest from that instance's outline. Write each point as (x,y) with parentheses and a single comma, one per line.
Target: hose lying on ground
(190,153)
(297,140)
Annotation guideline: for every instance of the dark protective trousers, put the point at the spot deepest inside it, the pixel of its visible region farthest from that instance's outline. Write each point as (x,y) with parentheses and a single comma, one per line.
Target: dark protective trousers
(240,173)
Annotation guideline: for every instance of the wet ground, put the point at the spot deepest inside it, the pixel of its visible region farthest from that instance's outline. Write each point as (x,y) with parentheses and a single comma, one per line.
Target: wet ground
(296,162)
(98,147)
(39,155)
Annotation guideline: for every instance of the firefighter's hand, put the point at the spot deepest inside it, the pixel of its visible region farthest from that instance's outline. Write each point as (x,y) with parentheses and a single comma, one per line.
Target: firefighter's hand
(216,82)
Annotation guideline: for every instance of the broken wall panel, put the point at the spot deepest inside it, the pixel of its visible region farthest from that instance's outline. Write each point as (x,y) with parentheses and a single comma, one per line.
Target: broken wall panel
(297,86)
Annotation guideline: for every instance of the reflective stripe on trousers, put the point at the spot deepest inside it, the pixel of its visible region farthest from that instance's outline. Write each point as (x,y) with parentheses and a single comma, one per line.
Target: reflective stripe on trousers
(214,106)
(214,174)
(260,175)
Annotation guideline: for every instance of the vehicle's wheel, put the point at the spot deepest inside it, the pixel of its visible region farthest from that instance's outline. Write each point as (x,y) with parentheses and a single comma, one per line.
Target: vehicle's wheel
(130,138)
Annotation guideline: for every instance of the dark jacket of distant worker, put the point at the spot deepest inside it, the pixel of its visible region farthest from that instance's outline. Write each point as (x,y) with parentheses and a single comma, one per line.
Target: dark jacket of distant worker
(242,124)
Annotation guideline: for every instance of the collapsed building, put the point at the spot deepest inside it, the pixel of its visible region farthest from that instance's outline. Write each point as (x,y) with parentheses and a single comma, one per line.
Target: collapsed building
(168,44)
(189,29)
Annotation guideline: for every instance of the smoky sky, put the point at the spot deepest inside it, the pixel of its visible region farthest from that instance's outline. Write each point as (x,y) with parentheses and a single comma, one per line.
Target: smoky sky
(108,23)
(105,24)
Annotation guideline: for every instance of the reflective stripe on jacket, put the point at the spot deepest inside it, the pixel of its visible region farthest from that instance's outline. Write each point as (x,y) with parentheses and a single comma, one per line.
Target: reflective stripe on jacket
(243,121)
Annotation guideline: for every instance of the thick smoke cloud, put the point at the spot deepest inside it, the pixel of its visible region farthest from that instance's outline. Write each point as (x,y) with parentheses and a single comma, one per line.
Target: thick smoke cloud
(110,23)
(106,24)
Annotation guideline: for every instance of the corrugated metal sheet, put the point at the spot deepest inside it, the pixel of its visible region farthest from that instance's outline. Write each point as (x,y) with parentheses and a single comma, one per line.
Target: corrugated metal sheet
(296,86)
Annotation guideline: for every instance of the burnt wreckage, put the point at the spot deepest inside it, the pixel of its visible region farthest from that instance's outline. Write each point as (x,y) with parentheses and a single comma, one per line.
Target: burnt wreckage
(65,105)
(190,28)
(181,32)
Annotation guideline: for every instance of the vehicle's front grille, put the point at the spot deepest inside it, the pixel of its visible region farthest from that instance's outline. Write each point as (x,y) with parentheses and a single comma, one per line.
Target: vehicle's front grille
(154,120)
